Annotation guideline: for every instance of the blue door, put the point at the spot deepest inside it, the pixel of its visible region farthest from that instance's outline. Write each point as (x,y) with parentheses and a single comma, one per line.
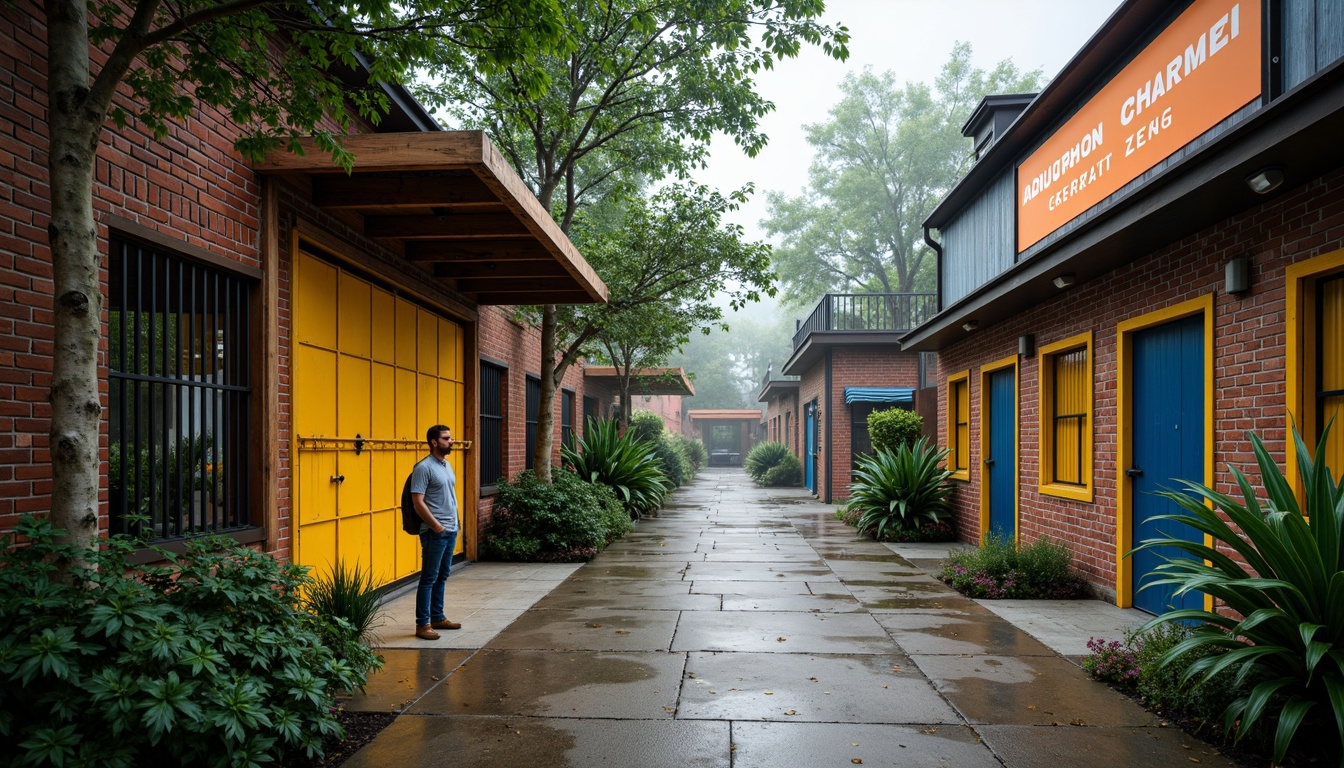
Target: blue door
(1000,458)
(1167,391)
(810,446)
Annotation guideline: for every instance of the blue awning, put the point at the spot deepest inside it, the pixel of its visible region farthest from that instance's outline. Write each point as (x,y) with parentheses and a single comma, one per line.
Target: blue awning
(879,395)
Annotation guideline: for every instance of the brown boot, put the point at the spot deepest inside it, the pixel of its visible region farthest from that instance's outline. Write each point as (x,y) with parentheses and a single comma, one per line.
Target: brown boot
(426,633)
(446,624)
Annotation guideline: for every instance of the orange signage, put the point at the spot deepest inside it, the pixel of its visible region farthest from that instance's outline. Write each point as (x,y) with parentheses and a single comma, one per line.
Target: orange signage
(1200,69)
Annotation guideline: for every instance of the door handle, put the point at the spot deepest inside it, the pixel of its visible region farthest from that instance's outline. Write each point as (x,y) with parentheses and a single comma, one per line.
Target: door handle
(989,462)
(1133,472)
(338,478)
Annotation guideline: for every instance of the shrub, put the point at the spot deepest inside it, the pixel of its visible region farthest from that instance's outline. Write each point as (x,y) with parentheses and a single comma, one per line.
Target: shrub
(209,660)
(894,427)
(675,466)
(627,466)
(695,451)
(999,570)
(1111,662)
(900,490)
(568,520)
(762,457)
(348,593)
(646,426)
(1284,632)
(786,474)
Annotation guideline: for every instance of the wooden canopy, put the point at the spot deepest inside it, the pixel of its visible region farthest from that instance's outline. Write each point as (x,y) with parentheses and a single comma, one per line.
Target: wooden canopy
(648,381)
(448,201)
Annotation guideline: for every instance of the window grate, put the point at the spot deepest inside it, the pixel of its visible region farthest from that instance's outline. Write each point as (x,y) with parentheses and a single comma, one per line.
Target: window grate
(492,424)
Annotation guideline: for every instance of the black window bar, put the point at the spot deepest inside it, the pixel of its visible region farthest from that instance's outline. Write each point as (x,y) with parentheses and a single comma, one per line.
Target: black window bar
(567,419)
(533,398)
(492,424)
(179,395)
(1069,370)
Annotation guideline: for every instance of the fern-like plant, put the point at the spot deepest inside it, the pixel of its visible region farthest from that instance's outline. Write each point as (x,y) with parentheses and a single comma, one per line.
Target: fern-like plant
(629,467)
(1284,631)
(349,593)
(900,489)
(763,457)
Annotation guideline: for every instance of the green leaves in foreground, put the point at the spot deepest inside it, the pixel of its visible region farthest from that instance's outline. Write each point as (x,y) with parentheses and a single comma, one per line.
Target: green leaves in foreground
(629,467)
(1279,569)
(901,489)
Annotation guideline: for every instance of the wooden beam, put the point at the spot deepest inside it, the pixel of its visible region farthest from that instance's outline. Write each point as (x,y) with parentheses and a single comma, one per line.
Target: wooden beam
(522,297)
(505,269)
(444,227)
(455,190)
(475,250)
(538,285)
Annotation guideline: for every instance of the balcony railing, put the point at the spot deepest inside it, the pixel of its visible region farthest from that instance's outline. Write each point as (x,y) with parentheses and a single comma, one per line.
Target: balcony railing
(867,312)
(770,376)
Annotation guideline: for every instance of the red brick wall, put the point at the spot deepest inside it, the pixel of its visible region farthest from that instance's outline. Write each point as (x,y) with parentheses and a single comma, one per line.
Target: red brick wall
(860,367)
(1249,333)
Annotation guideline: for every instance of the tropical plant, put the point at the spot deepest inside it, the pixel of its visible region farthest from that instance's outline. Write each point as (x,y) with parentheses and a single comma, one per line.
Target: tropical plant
(893,427)
(901,489)
(627,466)
(646,425)
(999,569)
(349,594)
(209,660)
(762,457)
(696,452)
(1280,574)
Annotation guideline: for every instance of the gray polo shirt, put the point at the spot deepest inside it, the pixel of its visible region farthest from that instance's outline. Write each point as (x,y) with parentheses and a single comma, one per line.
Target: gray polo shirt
(435,479)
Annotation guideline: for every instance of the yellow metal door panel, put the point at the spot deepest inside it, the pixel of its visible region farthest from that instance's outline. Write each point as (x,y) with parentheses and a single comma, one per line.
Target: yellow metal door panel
(408,547)
(427,401)
(353,491)
(314,302)
(353,390)
(313,394)
(428,344)
(408,421)
(450,344)
(408,319)
(385,527)
(383,402)
(384,326)
(354,315)
(317,493)
(353,542)
(318,550)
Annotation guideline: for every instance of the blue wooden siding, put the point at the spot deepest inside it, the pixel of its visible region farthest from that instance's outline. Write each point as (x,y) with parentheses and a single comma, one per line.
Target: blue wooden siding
(1313,38)
(978,244)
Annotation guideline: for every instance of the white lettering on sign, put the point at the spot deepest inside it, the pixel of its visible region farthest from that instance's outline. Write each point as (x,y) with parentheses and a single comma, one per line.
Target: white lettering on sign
(1223,31)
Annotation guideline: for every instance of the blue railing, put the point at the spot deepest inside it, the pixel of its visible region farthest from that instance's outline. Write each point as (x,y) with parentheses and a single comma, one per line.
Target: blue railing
(867,312)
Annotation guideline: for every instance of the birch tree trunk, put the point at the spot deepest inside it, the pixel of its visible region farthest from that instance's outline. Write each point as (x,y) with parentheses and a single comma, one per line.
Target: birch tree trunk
(76,410)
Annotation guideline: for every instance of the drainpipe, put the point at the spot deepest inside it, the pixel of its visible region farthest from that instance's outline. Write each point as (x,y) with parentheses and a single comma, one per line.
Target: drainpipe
(938,251)
(830,438)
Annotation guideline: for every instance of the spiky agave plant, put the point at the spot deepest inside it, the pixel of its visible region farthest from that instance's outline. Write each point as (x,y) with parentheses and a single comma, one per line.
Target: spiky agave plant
(901,489)
(1288,645)
(629,467)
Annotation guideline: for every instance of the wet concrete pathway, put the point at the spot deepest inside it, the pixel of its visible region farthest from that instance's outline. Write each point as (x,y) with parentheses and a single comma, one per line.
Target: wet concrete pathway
(747,627)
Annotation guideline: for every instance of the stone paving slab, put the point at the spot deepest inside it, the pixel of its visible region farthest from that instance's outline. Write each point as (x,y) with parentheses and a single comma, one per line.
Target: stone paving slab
(1028,690)
(823,603)
(491,742)
(404,677)
(940,632)
(778,588)
(780,632)
(586,629)
(785,571)
(775,745)
(810,688)
(508,683)
(1053,747)
(629,595)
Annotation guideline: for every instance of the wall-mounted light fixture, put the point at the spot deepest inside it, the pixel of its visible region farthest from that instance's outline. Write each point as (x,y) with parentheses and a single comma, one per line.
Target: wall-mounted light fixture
(1065,280)
(969,325)
(1238,275)
(1265,180)
(1026,345)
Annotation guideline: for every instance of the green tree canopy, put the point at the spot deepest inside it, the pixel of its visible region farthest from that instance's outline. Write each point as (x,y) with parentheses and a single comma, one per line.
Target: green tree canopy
(883,160)
(637,97)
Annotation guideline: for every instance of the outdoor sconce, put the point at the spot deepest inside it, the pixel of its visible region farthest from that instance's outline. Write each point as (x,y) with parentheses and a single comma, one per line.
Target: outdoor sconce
(1237,278)
(1026,345)
(969,325)
(1265,180)
(1065,280)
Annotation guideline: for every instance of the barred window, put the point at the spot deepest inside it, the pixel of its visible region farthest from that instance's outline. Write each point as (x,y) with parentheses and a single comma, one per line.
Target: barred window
(492,424)
(959,425)
(1066,418)
(533,397)
(1329,385)
(567,418)
(179,395)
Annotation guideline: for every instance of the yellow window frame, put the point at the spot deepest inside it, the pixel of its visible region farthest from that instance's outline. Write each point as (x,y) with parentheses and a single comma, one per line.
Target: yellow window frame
(1300,354)
(1048,353)
(958,447)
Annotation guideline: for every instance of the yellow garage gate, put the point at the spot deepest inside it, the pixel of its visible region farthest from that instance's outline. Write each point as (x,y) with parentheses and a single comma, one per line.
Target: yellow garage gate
(370,372)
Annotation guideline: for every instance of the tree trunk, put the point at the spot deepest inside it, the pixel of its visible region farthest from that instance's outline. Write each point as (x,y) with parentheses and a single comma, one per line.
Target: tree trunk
(541,459)
(76,409)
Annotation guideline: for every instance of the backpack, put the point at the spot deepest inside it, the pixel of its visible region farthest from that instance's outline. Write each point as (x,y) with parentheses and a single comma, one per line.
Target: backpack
(410,521)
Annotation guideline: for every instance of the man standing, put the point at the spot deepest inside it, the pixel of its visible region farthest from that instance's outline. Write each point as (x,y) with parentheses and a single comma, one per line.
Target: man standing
(434,495)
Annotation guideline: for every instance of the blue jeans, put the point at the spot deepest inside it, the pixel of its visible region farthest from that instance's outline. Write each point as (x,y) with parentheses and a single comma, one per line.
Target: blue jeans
(436,558)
